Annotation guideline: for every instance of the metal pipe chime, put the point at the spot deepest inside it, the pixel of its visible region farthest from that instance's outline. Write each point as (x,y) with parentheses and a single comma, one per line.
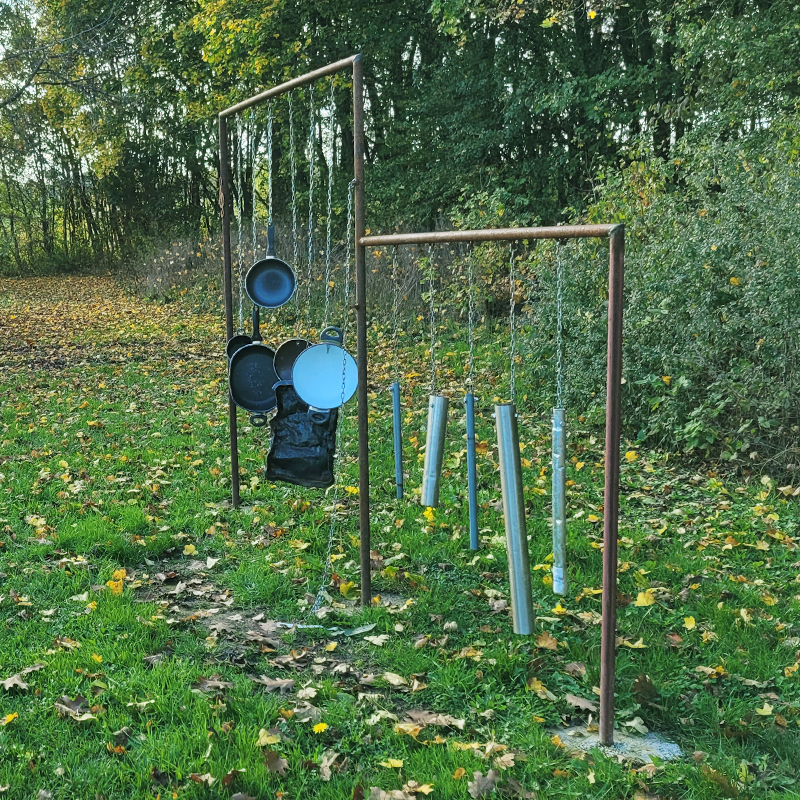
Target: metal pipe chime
(472,472)
(559,502)
(398,440)
(519,570)
(434,450)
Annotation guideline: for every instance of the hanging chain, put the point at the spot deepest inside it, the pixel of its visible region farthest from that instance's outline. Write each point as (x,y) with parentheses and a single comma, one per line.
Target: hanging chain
(432,320)
(512,324)
(294,191)
(332,132)
(337,464)
(395,315)
(470,321)
(310,207)
(269,161)
(253,176)
(347,255)
(559,327)
(239,208)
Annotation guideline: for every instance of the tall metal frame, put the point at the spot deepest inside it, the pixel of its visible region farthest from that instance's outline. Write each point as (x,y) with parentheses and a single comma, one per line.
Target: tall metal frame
(616,236)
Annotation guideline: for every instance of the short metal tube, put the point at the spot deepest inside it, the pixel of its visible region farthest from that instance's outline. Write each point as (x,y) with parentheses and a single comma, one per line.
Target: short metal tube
(559,501)
(434,450)
(398,440)
(519,569)
(472,472)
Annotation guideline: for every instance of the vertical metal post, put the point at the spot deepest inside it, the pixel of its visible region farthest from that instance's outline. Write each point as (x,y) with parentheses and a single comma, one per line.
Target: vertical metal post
(472,471)
(434,450)
(361,333)
(611,497)
(397,424)
(559,443)
(225,209)
(519,567)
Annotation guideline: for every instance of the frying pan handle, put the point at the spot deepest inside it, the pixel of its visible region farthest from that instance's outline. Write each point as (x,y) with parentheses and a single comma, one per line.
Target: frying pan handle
(336,336)
(271,241)
(256,324)
(319,416)
(258,420)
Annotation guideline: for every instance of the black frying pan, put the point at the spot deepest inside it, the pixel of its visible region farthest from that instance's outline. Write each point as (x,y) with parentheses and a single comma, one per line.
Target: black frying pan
(237,341)
(286,355)
(270,283)
(252,377)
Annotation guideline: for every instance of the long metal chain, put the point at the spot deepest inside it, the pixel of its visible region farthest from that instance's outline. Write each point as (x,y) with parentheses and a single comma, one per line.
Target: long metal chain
(337,462)
(310,207)
(395,315)
(253,171)
(332,133)
(269,161)
(295,242)
(512,324)
(432,320)
(470,321)
(559,328)
(348,250)
(239,207)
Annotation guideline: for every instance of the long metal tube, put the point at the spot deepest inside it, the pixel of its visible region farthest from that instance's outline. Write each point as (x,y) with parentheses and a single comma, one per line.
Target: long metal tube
(490,235)
(361,333)
(397,425)
(519,569)
(472,471)
(616,281)
(309,77)
(559,502)
(434,450)
(225,210)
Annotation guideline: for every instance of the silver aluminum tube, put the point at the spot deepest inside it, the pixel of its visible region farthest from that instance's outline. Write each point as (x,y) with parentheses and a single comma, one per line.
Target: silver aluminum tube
(472,472)
(398,440)
(559,502)
(434,450)
(519,569)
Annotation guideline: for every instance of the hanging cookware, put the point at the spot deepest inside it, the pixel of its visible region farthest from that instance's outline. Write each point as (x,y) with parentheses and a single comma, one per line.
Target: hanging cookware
(237,341)
(286,355)
(325,375)
(270,282)
(252,377)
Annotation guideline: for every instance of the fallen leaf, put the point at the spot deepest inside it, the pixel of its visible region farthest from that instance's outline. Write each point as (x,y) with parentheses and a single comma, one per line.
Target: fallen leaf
(637,723)
(392,794)
(418,788)
(408,728)
(482,785)
(307,693)
(394,679)
(206,780)
(645,598)
(576,668)
(190,550)
(326,764)
(765,710)
(282,685)
(579,702)
(268,737)
(459,774)
(689,623)
(378,641)
(546,641)
(424,717)
(392,763)
(8,718)
(275,763)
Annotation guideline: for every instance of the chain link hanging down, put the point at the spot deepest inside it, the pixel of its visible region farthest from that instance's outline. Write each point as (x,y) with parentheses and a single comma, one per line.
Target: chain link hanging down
(332,134)
(311,132)
(432,320)
(348,249)
(292,169)
(470,320)
(270,180)
(253,154)
(559,328)
(240,131)
(512,324)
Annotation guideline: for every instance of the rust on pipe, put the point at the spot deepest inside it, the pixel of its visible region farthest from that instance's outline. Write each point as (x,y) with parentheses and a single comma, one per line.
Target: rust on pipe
(361,334)
(225,210)
(309,77)
(490,235)
(611,497)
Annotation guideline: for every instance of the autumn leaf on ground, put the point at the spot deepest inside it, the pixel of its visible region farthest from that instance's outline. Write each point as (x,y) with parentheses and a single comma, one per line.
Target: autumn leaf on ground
(645,598)
(576,668)
(408,728)
(579,702)
(16,682)
(482,785)
(424,717)
(282,685)
(268,737)
(540,690)
(326,764)
(378,641)
(8,718)
(394,679)
(392,794)
(392,763)
(689,623)
(418,788)
(459,774)
(275,763)
(206,779)
(546,641)
(212,684)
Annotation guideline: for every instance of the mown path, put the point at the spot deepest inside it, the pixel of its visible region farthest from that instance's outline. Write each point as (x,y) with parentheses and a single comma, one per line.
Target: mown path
(147,645)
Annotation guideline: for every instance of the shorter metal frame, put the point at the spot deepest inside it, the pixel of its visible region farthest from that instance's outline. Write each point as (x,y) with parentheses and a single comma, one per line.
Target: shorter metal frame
(616,269)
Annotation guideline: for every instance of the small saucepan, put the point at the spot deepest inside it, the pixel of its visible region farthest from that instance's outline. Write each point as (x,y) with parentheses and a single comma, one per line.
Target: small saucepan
(325,375)
(286,355)
(252,377)
(237,341)
(270,282)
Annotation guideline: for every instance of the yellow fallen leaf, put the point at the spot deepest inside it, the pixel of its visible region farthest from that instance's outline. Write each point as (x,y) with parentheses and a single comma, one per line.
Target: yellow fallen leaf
(408,728)
(645,598)
(97,658)
(459,774)
(119,574)
(579,465)
(8,718)
(768,599)
(689,623)
(631,455)
(546,641)
(320,727)
(331,646)
(392,763)
(346,588)
(266,738)
(765,710)
(559,609)
(638,645)
(190,550)
(429,514)
(537,718)
(115,586)
(789,671)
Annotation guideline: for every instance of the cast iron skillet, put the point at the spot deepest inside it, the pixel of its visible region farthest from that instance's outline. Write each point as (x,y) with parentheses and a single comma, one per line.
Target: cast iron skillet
(252,377)
(237,341)
(270,283)
(286,355)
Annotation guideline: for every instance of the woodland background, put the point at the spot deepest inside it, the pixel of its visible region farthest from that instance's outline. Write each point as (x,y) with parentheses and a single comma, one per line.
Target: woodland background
(679,119)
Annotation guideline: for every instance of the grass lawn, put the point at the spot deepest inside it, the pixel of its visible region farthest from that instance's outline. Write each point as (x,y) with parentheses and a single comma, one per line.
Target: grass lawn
(141,650)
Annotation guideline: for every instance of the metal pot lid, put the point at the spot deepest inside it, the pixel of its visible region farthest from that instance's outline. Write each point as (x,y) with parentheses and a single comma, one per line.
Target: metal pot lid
(286,355)
(317,376)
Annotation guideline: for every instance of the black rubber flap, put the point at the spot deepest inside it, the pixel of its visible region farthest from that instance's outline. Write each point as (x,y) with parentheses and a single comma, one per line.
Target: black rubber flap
(303,448)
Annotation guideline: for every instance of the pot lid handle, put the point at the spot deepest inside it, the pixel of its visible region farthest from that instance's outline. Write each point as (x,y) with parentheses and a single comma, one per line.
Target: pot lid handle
(335,336)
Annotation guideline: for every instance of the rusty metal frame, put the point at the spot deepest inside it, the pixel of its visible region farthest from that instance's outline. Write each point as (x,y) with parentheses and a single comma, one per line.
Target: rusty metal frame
(616,236)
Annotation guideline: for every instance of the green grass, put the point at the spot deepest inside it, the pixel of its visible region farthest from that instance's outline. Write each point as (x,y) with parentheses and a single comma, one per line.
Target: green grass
(115,435)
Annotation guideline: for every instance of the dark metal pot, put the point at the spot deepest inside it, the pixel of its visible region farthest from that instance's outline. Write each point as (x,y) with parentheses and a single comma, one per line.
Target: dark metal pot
(270,282)
(252,377)
(237,341)
(286,355)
